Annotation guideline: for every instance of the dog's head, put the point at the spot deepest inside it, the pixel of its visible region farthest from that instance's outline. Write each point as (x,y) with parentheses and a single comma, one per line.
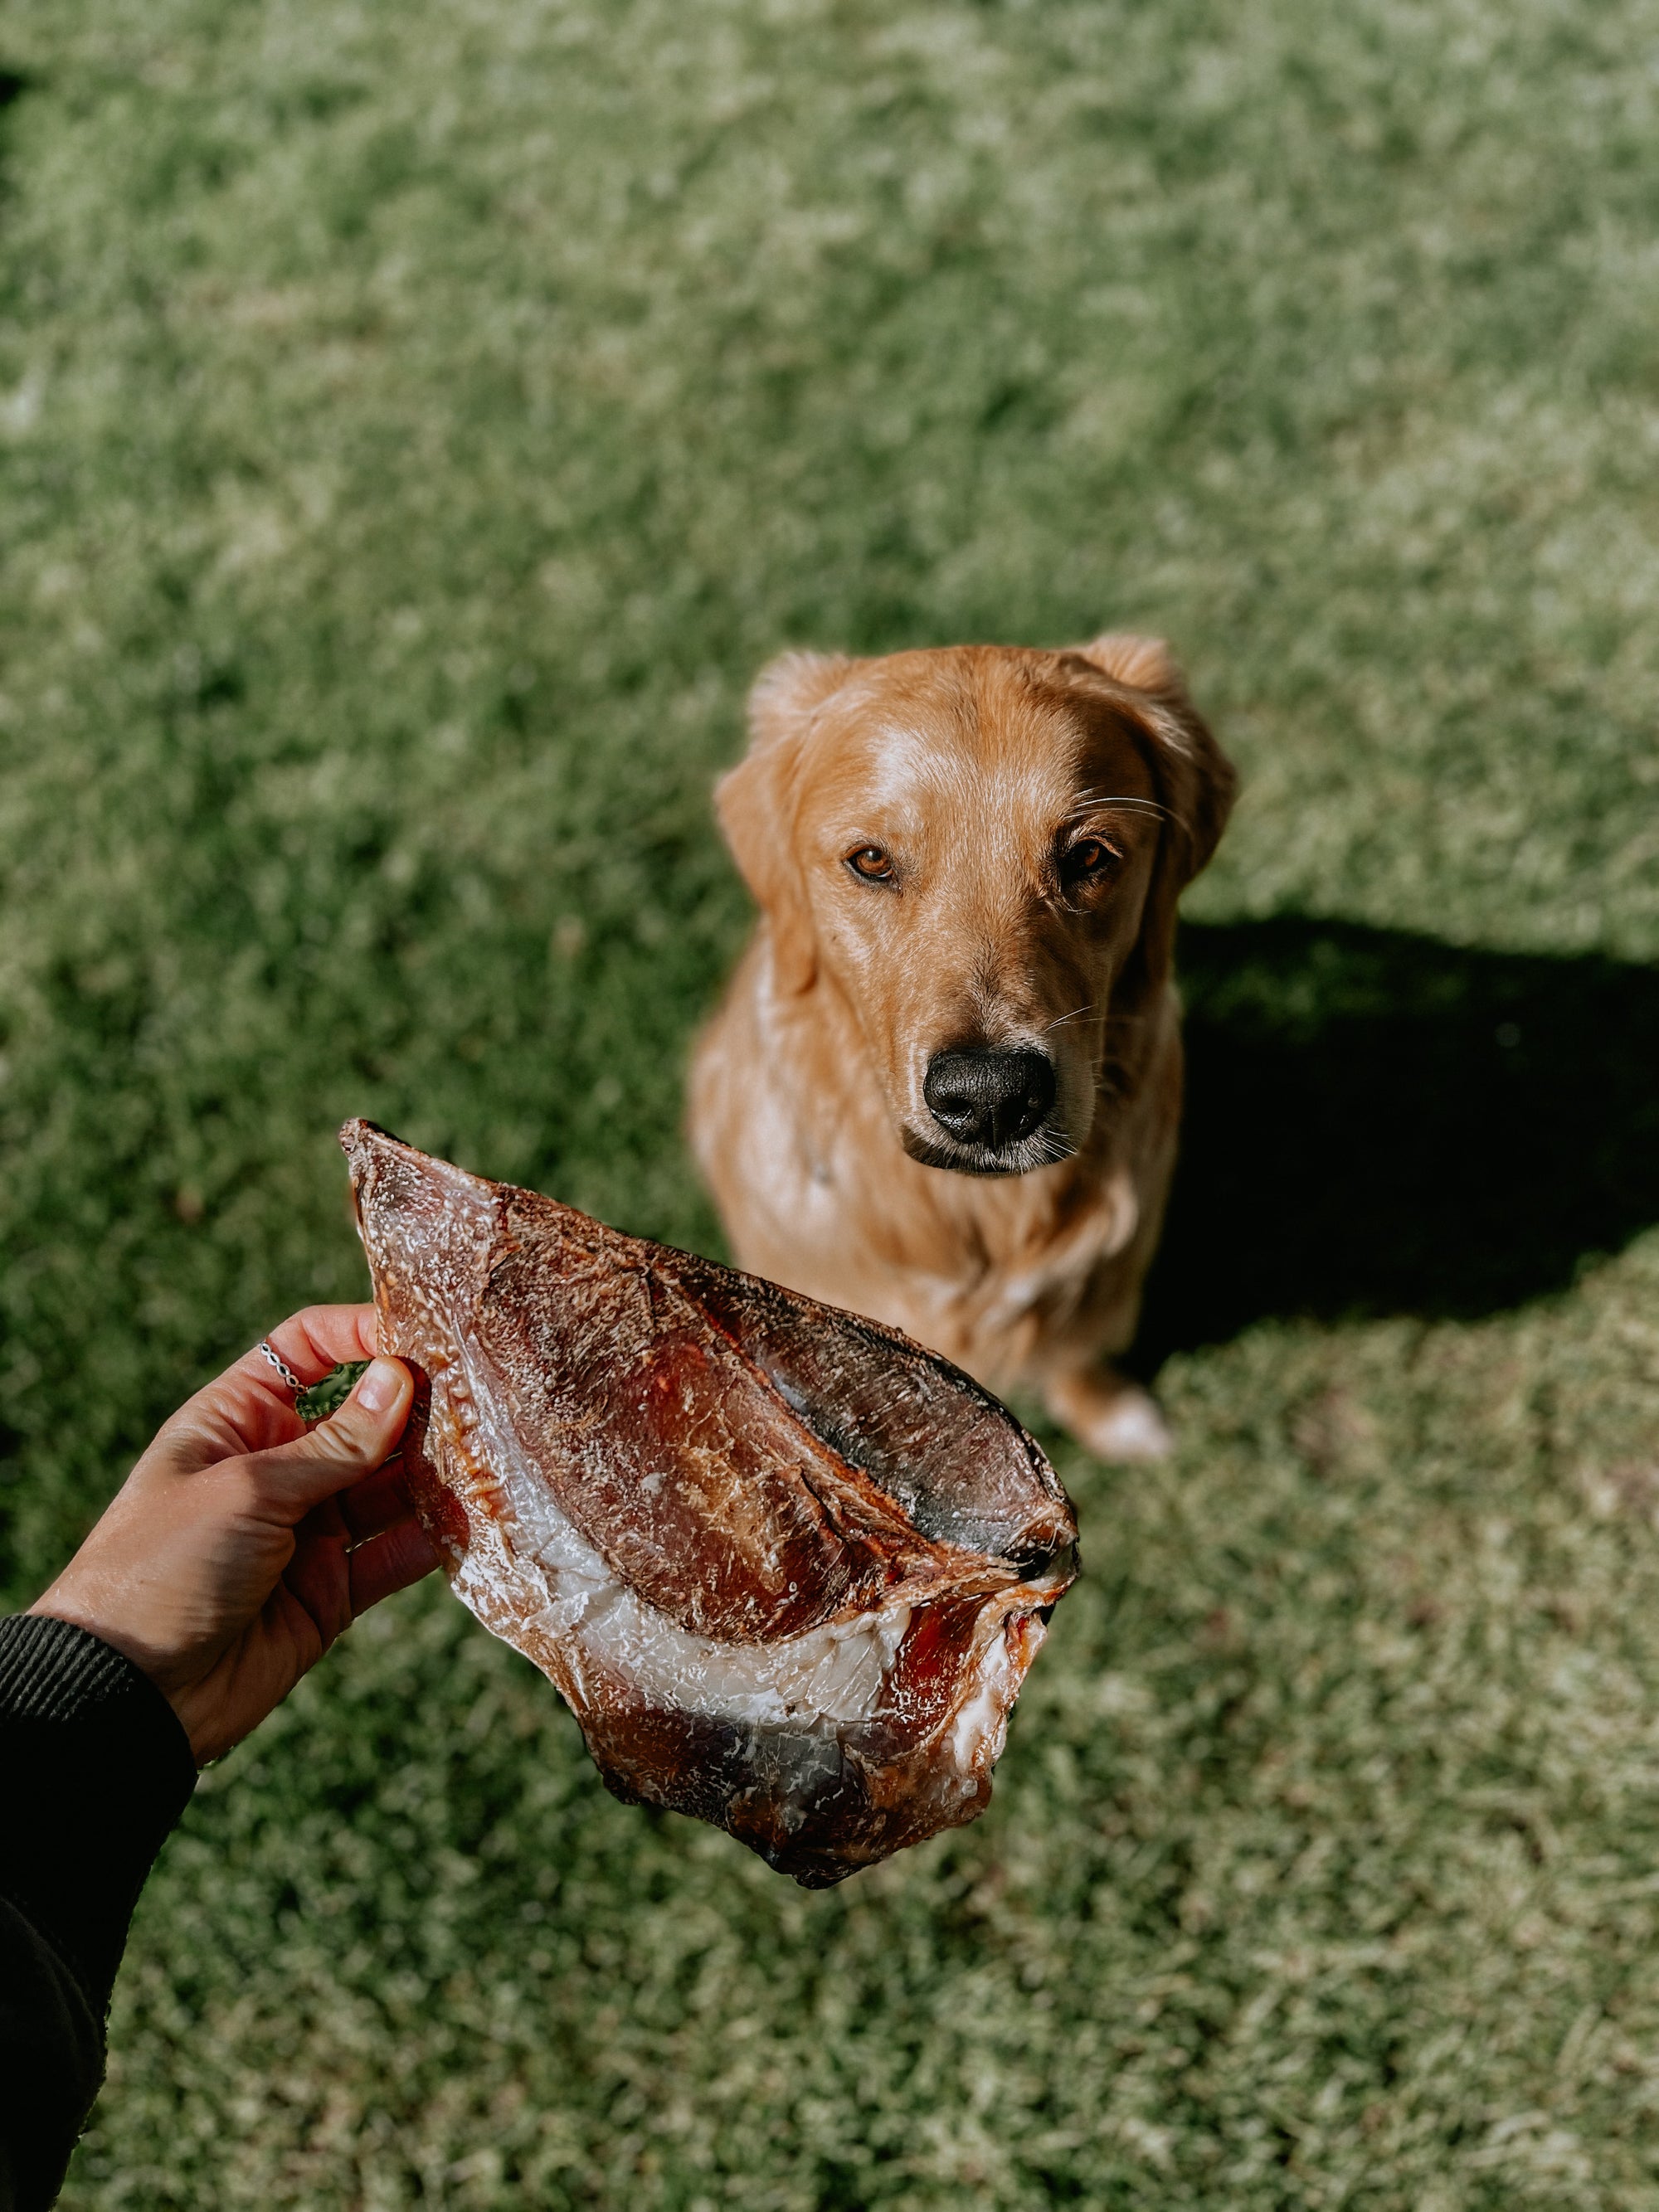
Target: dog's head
(981,849)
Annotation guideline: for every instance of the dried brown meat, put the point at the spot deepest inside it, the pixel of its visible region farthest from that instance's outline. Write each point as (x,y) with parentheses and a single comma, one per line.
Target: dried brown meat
(787,1568)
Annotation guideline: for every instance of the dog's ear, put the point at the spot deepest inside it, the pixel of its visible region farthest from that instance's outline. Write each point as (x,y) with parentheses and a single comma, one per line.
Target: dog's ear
(1196,781)
(755,804)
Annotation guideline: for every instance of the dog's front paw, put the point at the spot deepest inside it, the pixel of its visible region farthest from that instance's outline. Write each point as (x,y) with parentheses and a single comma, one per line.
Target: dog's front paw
(1117,1421)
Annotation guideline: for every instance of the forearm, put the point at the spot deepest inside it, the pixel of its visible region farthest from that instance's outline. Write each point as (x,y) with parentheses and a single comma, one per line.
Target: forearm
(96,1770)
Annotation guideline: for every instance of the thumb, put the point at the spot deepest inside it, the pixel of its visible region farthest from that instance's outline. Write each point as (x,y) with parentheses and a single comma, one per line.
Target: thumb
(351,1443)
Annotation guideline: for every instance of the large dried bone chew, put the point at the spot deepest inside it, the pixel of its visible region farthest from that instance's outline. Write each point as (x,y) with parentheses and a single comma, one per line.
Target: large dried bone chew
(787,1568)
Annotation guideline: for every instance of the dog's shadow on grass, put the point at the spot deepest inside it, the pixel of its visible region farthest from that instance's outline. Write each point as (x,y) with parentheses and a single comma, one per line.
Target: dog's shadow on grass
(1380,1123)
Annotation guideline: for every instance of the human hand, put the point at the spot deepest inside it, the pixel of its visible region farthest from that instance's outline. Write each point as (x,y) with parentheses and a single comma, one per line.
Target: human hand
(242,1544)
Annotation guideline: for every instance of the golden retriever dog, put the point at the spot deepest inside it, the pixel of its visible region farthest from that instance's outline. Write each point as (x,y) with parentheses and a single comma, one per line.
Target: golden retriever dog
(944,1086)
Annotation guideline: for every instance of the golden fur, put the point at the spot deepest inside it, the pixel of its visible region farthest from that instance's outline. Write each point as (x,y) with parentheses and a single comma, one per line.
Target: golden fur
(975,773)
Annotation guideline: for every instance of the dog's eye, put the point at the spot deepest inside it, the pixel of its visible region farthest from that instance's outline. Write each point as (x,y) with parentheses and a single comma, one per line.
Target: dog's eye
(1090,860)
(872,863)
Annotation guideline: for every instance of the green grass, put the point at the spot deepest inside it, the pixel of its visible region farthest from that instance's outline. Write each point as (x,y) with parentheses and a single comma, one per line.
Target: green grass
(415,425)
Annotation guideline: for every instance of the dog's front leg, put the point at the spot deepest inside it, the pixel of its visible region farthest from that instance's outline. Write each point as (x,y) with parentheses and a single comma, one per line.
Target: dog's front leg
(1109,1415)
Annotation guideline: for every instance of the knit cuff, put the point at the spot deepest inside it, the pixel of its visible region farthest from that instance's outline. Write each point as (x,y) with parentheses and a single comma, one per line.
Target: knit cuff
(51,1670)
(99,1769)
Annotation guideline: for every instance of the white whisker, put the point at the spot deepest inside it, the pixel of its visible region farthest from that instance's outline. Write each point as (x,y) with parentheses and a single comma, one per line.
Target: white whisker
(1088,801)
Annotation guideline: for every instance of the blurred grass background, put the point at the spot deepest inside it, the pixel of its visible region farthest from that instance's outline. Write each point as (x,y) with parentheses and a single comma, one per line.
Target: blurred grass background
(416,426)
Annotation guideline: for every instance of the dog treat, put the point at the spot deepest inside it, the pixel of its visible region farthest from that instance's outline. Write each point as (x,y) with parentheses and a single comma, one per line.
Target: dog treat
(787,1569)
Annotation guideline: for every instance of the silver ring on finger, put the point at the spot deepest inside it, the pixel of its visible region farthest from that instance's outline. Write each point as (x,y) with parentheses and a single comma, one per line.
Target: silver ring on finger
(268,1350)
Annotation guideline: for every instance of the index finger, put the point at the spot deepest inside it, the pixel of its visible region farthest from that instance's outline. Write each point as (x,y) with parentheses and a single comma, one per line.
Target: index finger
(314,1342)
(310,1344)
(249,1408)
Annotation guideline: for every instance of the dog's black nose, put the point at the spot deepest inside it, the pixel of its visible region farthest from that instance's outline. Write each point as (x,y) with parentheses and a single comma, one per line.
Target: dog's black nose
(989,1098)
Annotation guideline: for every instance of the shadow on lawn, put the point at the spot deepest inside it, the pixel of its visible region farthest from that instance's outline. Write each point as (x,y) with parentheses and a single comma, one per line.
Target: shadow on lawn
(1379,1123)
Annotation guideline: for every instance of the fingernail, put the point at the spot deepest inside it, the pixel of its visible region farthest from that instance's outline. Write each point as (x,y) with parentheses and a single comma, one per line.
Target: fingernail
(379,1386)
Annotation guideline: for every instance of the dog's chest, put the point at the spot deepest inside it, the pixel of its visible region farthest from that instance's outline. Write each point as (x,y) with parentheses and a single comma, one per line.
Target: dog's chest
(950,1257)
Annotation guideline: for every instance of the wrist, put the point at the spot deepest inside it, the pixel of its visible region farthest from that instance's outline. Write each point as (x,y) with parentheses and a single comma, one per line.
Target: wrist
(108,1623)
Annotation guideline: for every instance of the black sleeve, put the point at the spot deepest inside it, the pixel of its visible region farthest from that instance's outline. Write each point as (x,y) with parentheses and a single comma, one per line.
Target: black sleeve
(96,1770)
